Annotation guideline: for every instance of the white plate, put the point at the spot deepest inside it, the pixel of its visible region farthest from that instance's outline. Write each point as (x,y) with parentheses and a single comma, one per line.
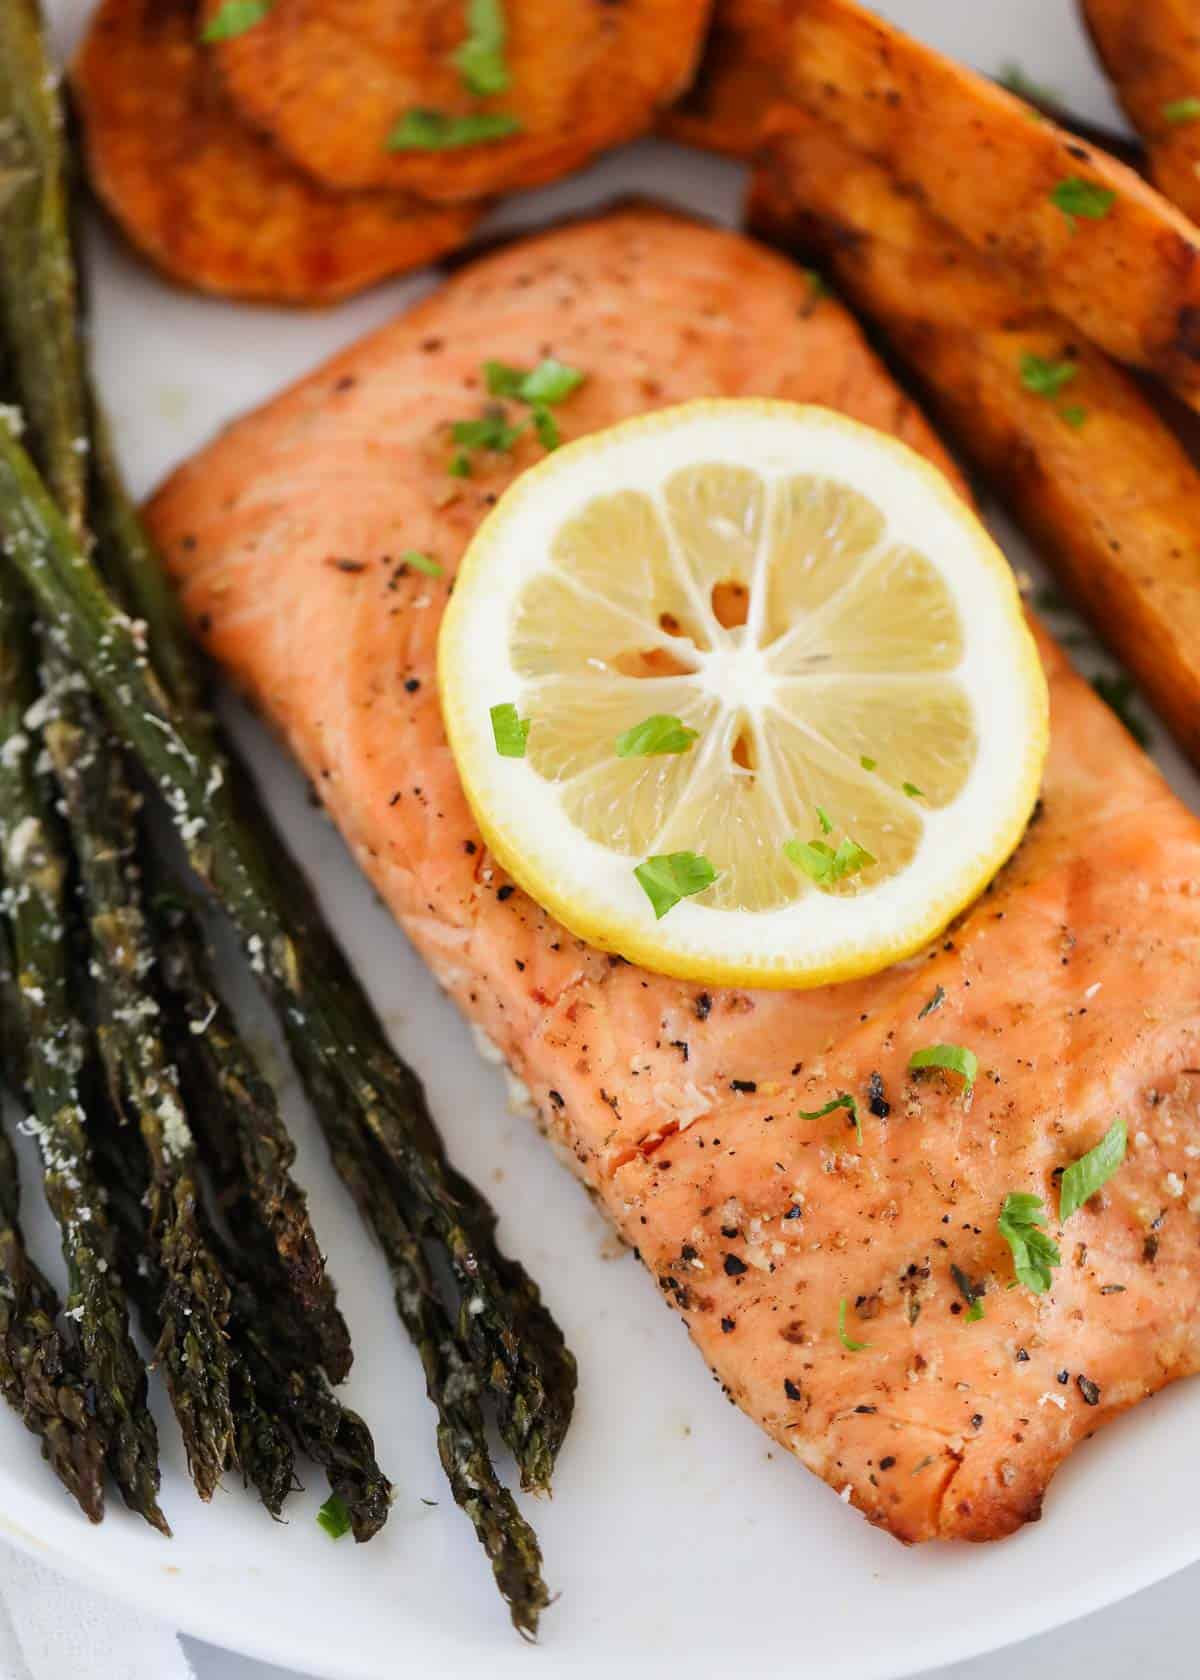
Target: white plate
(677,1532)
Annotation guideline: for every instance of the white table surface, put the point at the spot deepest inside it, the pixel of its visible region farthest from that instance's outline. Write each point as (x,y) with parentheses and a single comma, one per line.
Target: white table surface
(1152,1636)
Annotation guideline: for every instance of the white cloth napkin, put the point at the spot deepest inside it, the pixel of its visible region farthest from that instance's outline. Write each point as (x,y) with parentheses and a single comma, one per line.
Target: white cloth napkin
(54,1629)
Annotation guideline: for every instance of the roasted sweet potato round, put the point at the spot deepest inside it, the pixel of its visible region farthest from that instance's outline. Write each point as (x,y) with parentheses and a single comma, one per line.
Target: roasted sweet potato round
(454,99)
(211,203)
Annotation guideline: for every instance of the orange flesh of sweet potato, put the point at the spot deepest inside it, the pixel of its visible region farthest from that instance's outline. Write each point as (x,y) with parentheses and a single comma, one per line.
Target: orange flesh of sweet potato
(209,202)
(1093,472)
(1095,242)
(1151,50)
(329,80)
(740,78)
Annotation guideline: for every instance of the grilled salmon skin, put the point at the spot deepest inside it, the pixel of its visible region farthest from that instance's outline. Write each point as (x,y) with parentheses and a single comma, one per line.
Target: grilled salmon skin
(1075,979)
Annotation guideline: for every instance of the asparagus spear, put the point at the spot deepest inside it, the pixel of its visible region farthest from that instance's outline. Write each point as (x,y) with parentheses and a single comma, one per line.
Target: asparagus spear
(453,1386)
(274,1385)
(37,278)
(101,809)
(246,1143)
(37,274)
(233,845)
(138,579)
(263,1450)
(35,870)
(332,1435)
(39,1369)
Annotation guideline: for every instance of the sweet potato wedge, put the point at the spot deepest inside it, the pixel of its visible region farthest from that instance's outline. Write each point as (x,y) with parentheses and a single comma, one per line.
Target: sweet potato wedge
(377,93)
(740,78)
(1151,50)
(212,204)
(1097,244)
(1089,467)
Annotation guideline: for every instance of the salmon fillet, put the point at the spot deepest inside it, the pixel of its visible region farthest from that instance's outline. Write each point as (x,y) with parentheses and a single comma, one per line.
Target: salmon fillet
(1074,978)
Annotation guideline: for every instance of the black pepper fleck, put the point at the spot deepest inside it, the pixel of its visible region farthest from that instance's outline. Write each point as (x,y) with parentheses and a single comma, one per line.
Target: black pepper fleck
(733,1266)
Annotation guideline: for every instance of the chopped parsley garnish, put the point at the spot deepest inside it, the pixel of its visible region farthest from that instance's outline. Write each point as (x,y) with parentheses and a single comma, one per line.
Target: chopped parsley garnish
(1076,198)
(546,427)
(333,1517)
(1085,1176)
(418,562)
(912,790)
(509,731)
(1046,378)
(868,763)
(951,1058)
(847,1341)
(935,1001)
(842,1100)
(1118,693)
(975,1310)
(1177,111)
(460,464)
(818,286)
(1075,415)
(233,19)
(503,380)
(491,431)
(667,879)
(542,387)
(1034,1253)
(480,59)
(550,382)
(435,131)
(654,736)
(825,866)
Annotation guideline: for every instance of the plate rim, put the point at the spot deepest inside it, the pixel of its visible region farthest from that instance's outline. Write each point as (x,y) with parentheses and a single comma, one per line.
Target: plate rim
(315,1659)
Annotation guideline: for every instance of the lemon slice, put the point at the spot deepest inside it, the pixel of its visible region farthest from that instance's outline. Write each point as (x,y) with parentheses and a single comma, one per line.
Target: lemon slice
(743,691)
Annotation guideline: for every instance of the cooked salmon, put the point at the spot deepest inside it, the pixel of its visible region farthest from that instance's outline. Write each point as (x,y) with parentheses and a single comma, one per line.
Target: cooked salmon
(1074,979)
